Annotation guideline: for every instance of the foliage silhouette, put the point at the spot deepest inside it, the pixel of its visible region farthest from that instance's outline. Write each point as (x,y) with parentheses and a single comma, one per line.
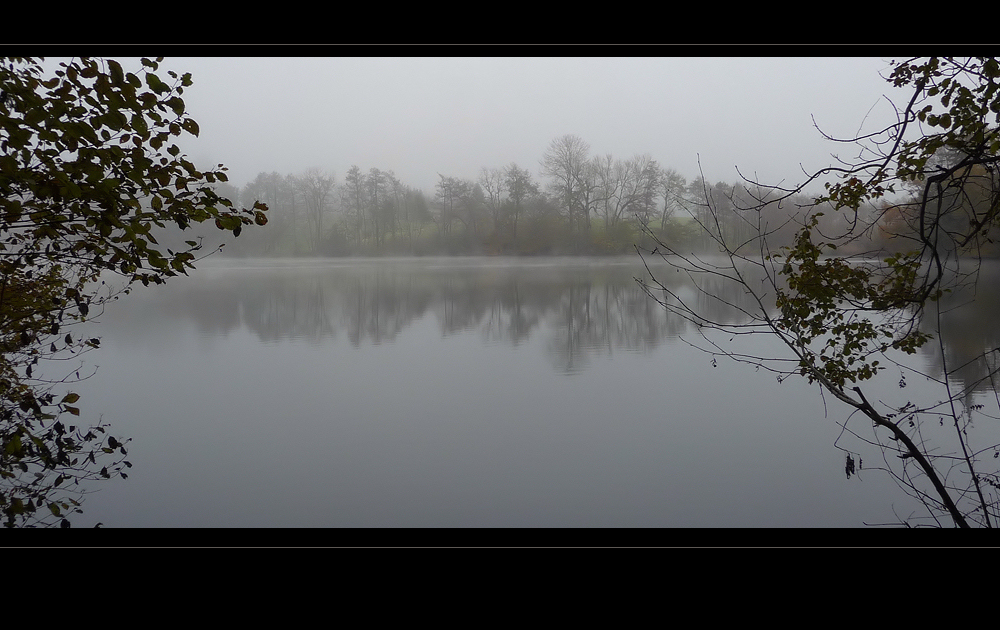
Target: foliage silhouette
(88,175)
(921,201)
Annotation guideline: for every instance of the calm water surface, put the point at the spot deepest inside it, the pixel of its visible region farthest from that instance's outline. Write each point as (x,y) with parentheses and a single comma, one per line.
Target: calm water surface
(451,393)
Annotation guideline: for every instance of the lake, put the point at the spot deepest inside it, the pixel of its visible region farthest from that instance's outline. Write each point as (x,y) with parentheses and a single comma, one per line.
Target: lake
(453,392)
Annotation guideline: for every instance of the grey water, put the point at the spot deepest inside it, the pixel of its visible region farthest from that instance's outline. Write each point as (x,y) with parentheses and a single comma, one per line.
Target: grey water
(452,392)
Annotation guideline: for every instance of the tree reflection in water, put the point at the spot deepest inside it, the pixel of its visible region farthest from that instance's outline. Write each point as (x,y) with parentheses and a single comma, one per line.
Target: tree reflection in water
(583,307)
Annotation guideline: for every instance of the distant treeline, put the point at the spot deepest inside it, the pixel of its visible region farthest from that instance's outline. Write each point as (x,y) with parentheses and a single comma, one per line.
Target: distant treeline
(579,204)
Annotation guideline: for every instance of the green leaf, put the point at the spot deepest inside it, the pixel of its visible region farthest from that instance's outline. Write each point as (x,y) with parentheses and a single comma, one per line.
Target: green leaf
(117,76)
(176,104)
(34,116)
(139,125)
(13,446)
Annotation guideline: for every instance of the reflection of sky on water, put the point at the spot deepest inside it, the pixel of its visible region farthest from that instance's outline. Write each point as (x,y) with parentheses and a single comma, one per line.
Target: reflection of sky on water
(441,398)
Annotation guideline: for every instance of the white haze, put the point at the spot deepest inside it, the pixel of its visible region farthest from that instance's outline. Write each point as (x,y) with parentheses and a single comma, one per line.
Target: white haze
(421,117)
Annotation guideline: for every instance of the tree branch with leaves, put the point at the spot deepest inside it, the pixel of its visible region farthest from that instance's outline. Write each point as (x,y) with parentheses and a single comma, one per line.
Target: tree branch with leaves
(88,172)
(843,320)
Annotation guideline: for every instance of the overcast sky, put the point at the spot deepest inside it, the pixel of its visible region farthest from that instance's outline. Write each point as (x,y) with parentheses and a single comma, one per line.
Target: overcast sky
(454,115)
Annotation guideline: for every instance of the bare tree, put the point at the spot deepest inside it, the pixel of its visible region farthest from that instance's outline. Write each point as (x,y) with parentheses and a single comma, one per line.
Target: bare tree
(672,186)
(611,175)
(566,163)
(520,188)
(451,195)
(316,187)
(493,185)
(626,187)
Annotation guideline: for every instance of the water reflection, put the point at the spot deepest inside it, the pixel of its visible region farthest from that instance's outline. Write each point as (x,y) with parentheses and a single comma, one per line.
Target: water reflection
(430,392)
(580,308)
(971,333)
(576,308)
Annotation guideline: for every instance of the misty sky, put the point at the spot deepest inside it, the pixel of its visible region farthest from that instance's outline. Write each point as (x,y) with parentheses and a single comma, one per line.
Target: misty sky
(454,115)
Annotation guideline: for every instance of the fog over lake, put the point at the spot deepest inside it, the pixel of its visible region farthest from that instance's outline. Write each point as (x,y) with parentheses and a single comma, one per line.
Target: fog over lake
(418,302)
(453,392)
